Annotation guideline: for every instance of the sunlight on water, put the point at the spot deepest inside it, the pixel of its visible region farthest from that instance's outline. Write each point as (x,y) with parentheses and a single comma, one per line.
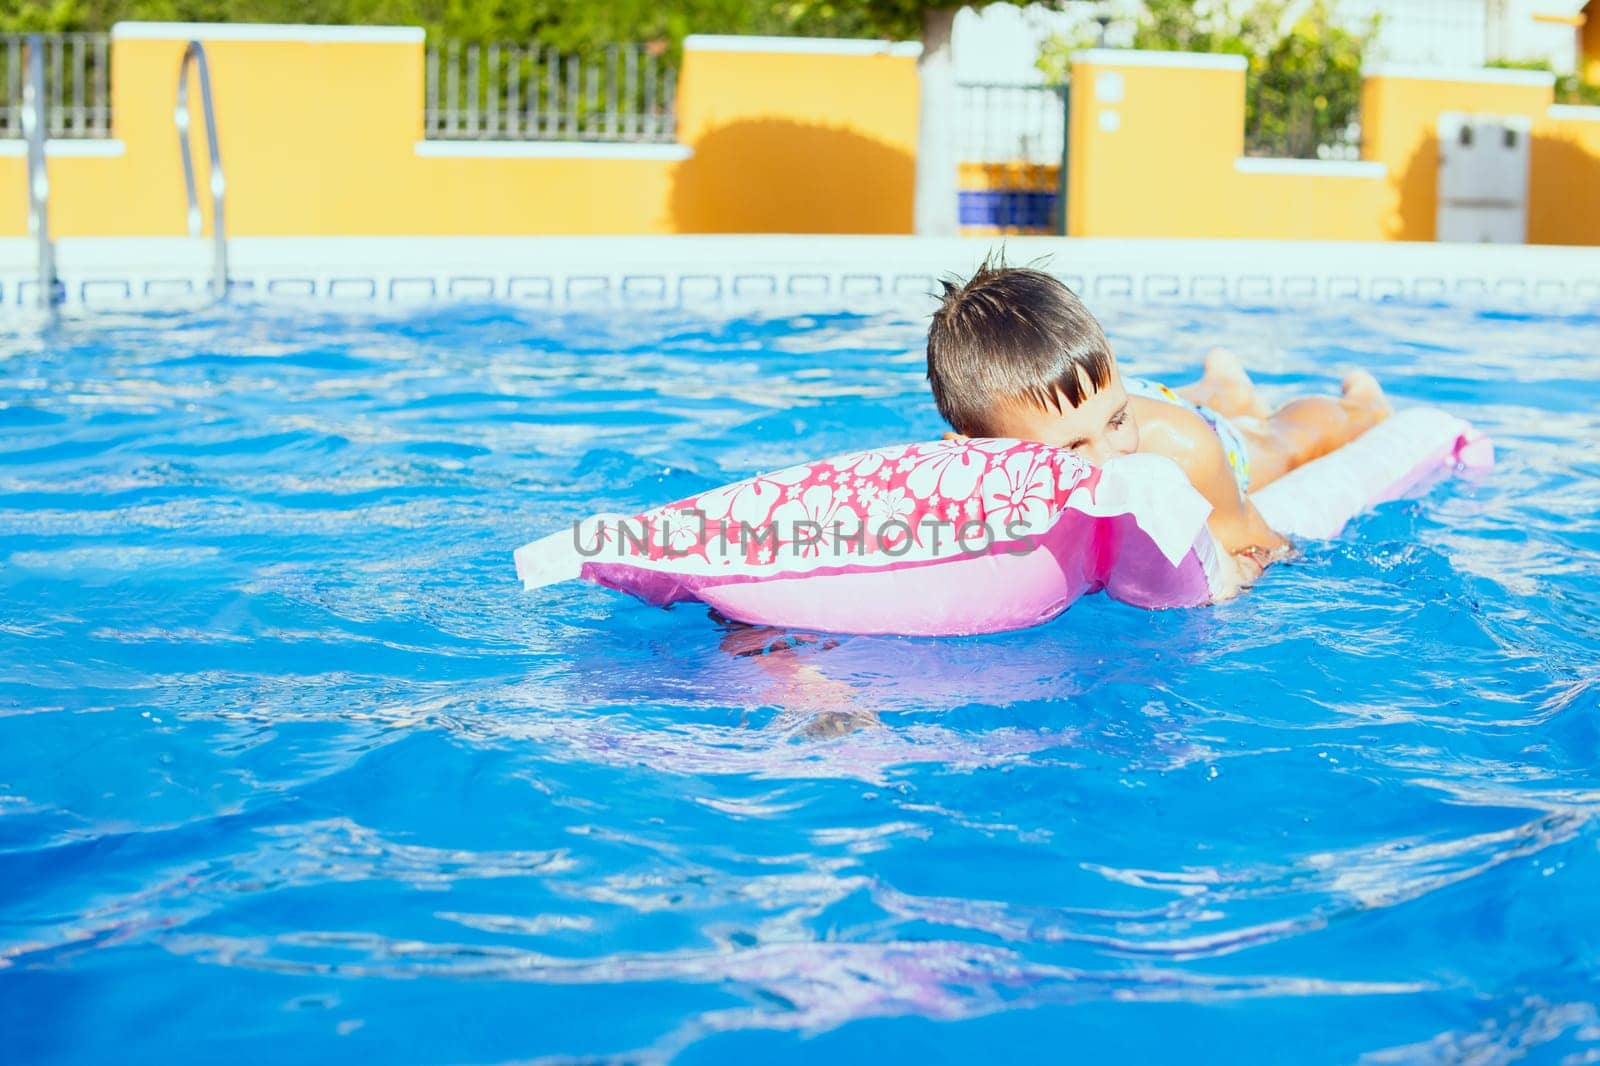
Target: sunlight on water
(287,756)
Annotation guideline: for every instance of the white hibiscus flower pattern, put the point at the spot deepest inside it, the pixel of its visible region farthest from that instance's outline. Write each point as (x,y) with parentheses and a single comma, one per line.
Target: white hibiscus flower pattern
(1021,490)
(887,505)
(858,495)
(812,525)
(751,501)
(949,472)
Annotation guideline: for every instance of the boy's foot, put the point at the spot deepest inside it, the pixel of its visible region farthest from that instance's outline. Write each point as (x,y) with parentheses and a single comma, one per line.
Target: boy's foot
(1226,388)
(1364,397)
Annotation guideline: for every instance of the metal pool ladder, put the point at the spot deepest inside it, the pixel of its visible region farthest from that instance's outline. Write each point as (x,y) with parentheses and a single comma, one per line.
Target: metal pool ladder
(196,54)
(34,129)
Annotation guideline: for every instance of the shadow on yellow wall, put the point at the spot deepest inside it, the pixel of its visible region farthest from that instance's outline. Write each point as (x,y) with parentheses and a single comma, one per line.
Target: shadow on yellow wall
(1416,215)
(778,176)
(1563,191)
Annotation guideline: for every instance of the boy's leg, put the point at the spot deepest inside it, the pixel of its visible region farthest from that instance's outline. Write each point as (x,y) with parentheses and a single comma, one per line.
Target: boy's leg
(1226,388)
(1312,427)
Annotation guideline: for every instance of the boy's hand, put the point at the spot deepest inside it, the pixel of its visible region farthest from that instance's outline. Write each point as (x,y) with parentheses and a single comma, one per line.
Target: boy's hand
(1253,562)
(1237,571)
(1235,575)
(1247,567)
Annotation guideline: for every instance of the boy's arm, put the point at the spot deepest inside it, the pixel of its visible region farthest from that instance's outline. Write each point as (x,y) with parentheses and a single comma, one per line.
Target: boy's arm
(1249,544)
(1184,437)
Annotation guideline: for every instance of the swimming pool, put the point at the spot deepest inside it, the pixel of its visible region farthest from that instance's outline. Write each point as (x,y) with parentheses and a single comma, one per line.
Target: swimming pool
(289,767)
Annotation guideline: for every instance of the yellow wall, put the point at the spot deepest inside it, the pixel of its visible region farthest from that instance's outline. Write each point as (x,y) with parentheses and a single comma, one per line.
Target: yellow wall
(1399,127)
(1304,207)
(1564,188)
(1156,156)
(1166,163)
(319,138)
(796,142)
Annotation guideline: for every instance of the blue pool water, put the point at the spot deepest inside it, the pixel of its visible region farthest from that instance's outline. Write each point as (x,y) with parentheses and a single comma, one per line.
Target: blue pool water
(291,770)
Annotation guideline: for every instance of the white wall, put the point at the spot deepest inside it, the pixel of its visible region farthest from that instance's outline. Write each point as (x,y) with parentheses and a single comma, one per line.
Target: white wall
(1445,33)
(999,43)
(1517,35)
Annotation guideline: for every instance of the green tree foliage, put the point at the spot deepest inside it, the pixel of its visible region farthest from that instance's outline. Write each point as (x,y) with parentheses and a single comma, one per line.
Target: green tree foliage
(1569,88)
(1304,89)
(569,25)
(899,20)
(1303,82)
(1572,89)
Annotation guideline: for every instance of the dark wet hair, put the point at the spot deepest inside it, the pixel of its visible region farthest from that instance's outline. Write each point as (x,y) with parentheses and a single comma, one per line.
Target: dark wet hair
(1012,335)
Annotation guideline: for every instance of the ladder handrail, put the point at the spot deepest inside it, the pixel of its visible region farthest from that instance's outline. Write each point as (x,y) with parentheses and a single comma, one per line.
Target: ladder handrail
(195,54)
(35,130)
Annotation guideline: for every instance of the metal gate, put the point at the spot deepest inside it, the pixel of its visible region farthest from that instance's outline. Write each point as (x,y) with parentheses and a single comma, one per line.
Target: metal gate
(1012,142)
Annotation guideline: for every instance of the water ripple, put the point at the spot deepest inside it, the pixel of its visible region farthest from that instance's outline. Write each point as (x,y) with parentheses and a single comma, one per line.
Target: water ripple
(281,738)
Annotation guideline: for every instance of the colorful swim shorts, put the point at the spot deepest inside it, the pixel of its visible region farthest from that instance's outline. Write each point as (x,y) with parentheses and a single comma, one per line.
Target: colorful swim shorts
(1233,445)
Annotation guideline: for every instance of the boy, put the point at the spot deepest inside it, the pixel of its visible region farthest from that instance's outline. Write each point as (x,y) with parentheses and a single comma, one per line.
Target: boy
(1014,353)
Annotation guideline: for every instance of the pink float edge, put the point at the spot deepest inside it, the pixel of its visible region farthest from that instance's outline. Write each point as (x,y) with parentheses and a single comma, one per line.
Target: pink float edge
(1469,453)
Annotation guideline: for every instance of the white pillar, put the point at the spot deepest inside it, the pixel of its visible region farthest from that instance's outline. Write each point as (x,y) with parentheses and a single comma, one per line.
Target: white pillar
(936,214)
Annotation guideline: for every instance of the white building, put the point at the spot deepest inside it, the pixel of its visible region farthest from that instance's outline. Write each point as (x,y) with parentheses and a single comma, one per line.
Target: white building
(1000,43)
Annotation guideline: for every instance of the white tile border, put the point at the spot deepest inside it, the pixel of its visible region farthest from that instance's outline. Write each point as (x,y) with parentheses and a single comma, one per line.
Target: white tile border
(243,31)
(808,273)
(1574,113)
(551,150)
(1118,57)
(1315,168)
(1474,75)
(66,148)
(829,46)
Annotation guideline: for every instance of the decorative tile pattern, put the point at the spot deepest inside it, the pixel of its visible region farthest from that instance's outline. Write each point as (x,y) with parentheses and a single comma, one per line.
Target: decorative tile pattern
(853,275)
(809,285)
(1166,288)
(530,290)
(472,288)
(587,289)
(294,287)
(109,292)
(352,289)
(1253,288)
(916,285)
(409,290)
(699,288)
(1298,289)
(755,285)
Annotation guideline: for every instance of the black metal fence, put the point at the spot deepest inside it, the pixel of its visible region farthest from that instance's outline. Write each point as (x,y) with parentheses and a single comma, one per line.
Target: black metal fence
(530,92)
(1010,123)
(627,93)
(77,69)
(1011,140)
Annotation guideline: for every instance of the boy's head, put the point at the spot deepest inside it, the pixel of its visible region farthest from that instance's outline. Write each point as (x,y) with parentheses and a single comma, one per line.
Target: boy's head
(1014,353)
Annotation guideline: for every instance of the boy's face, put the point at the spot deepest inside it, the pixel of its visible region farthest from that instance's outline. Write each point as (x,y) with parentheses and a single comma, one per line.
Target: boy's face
(1100,428)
